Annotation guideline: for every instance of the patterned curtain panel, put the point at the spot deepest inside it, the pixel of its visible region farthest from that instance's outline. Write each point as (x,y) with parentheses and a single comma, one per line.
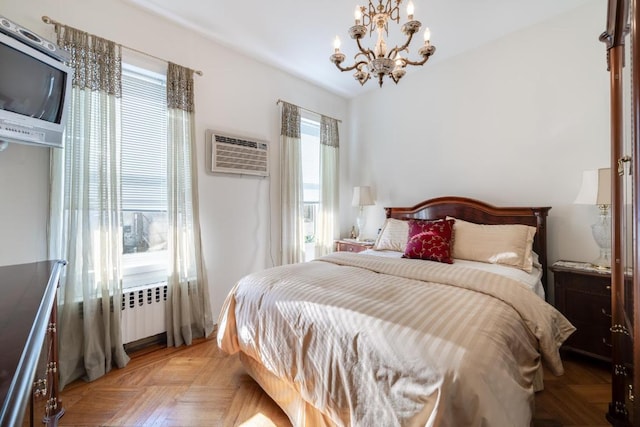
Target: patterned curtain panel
(85,227)
(291,181)
(188,307)
(290,121)
(96,62)
(328,228)
(180,88)
(329,132)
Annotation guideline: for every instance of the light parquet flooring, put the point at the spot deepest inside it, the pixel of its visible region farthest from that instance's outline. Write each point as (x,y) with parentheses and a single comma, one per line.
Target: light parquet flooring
(201,386)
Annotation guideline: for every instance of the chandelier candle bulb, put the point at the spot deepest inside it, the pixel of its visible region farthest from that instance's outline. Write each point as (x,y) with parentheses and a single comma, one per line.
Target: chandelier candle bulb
(358,14)
(336,44)
(410,11)
(427,35)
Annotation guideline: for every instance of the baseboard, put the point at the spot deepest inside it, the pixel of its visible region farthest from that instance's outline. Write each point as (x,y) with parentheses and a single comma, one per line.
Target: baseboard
(154,342)
(148,343)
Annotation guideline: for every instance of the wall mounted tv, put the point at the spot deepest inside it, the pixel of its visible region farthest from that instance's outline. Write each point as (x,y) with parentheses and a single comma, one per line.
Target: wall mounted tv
(35,88)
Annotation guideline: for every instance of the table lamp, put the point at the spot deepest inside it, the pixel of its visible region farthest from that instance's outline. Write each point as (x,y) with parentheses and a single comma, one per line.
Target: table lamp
(596,190)
(361,198)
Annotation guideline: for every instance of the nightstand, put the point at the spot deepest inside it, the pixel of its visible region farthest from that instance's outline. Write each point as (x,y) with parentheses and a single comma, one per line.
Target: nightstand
(351,245)
(583,295)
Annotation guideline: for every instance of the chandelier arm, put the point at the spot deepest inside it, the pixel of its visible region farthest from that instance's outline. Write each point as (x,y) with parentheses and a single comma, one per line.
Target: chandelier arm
(353,67)
(363,54)
(367,52)
(393,52)
(397,49)
(424,60)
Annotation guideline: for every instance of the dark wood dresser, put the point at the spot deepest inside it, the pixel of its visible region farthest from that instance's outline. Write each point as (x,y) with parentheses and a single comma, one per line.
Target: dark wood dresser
(29,344)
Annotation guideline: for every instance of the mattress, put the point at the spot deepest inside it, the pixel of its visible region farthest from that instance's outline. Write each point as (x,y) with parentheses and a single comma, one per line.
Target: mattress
(366,340)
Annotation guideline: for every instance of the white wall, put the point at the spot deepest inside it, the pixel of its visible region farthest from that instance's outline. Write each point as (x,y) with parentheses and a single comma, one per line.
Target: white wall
(236,94)
(24,203)
(513,123)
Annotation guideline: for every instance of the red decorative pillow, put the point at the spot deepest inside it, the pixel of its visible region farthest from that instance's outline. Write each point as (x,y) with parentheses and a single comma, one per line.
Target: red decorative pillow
(430,240)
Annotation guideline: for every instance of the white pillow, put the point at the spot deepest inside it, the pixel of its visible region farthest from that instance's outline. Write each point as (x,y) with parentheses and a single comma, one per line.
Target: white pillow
(506,244)
(393,236)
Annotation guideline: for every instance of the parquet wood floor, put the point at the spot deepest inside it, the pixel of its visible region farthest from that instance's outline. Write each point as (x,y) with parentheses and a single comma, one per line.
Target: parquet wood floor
(201,386)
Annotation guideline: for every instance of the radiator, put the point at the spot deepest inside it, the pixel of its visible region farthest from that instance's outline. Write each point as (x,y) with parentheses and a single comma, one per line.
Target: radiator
(143,312)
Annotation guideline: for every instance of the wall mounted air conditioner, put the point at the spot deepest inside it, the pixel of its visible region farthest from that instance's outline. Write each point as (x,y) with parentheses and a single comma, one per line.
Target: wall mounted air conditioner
(238,155)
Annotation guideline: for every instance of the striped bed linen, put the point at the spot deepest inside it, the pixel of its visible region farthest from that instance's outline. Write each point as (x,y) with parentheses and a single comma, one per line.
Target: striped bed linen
(375,341)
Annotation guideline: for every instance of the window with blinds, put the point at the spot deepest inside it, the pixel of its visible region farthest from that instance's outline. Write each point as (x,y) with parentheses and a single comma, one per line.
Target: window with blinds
(310,138)
(144,175)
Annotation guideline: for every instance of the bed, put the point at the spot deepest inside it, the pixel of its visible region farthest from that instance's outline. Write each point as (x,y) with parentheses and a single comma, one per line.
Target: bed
(370,340)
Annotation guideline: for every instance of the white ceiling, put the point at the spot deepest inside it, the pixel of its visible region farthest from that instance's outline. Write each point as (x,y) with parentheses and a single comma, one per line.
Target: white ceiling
(297,35)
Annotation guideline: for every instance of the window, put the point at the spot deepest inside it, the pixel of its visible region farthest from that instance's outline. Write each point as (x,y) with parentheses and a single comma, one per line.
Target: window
(144,176)
(310,136)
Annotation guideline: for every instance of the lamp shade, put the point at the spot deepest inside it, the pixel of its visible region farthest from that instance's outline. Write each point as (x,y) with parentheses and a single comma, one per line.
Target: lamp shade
(362,196)
(595,188)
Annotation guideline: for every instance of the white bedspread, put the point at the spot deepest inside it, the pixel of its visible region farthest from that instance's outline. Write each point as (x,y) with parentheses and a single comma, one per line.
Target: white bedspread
(374,341)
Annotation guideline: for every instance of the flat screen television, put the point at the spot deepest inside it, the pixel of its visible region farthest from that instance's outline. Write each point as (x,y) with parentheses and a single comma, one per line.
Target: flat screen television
(35,90)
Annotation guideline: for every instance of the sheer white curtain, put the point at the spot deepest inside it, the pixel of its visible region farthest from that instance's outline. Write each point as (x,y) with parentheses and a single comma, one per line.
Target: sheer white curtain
(84,226)
(291,182)
(329,178)
(188,307)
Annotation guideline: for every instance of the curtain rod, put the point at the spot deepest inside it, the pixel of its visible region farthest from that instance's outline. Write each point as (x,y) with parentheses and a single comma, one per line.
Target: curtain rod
(306,109)
(48,20)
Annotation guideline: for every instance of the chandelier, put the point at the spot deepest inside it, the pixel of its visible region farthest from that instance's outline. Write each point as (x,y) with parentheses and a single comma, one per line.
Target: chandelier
(380,61)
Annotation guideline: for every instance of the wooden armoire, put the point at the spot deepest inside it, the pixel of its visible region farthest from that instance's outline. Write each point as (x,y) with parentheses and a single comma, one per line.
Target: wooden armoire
(621,38)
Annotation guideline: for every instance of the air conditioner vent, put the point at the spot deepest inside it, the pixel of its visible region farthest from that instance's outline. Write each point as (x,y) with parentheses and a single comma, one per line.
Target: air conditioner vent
(230,154)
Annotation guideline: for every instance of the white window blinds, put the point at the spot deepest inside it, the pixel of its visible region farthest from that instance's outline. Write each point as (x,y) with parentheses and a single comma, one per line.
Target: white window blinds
(144,140)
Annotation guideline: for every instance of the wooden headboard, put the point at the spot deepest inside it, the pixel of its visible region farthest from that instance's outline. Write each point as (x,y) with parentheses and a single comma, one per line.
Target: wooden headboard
(482,213)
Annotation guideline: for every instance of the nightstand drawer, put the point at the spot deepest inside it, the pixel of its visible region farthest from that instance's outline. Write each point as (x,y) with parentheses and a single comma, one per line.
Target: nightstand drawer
(590,313)
(591,285)
(587,307)
(349,246)
(592,338)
